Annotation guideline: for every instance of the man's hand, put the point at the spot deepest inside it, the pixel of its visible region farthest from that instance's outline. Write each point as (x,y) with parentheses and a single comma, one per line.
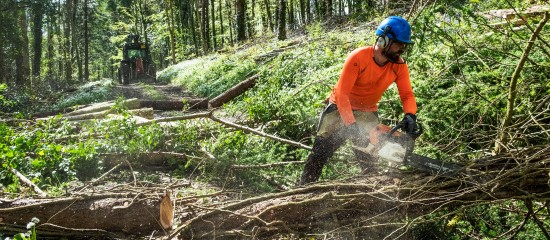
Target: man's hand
(411,127)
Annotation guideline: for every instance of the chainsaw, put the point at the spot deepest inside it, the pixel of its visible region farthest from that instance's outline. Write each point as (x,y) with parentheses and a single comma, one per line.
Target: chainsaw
(395,146)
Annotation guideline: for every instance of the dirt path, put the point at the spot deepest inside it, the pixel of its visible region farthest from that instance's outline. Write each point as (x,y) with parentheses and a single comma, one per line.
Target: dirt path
(153,91)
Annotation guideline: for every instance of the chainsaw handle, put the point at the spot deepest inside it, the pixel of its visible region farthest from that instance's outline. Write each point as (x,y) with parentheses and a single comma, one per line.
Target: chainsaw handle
(401,125)
(394,129)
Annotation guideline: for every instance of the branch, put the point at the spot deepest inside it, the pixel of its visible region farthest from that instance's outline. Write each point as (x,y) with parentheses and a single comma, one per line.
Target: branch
(211,116)
(269,165)
(28,182)
(502,139)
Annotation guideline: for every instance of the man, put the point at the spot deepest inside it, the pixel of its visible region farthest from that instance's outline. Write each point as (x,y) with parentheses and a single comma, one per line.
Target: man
(353,104)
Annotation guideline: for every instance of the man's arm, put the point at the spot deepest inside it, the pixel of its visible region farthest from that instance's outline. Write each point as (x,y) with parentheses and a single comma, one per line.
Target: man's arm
(342,90)
(404,86)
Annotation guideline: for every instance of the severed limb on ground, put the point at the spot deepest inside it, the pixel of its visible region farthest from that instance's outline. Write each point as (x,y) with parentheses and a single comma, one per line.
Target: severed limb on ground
(376,206)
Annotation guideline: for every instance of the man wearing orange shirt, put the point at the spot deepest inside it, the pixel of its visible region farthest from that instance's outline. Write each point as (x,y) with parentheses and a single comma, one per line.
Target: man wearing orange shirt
(353,103)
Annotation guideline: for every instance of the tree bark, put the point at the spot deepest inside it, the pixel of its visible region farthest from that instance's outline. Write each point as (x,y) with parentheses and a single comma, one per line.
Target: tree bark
(222,30)
(37,15)
(171,29)
(230,19)
(67,53)
(240,8)
(132,103)
(22,70)
(75,47)
(50,51)
(302,11)
(205,27)
(171,105)
(114,215)
(291,19)
(269,16)
(192,25)
(281,33)
(86,42)
(215,45)
(233,92)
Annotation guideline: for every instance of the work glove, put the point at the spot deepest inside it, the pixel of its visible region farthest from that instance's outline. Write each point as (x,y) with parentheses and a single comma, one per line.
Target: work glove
(410,126)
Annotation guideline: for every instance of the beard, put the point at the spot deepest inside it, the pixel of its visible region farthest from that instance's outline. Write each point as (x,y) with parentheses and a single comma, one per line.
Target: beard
(393,56)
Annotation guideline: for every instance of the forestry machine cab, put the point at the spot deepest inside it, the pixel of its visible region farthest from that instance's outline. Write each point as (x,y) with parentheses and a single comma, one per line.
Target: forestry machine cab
(136,63)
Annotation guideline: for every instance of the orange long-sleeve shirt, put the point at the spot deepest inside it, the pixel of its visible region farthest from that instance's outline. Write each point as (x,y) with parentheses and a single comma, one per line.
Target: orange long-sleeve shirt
(363,82)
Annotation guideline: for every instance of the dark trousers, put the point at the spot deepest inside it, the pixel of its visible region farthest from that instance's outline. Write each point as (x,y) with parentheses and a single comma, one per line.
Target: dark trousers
(325,146)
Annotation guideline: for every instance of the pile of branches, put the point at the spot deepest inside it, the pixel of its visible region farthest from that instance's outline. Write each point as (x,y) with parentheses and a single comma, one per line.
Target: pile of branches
(379,206)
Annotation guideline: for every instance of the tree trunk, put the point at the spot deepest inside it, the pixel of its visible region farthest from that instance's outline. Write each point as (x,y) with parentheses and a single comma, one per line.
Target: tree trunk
(97,216)
(205,27)
(251,19)
(231,24)
(22,70)
(302,11)
(329,8)
(75,46)
(171,105)
(38,15)
(215,45)
(168,8)
(291,20)
(50,52)
(269,16)
(233,92)
(3,71)
(67,52)
(282,21)
(222,30)
(192,8)
(308,11)
(240,8)
(86,43)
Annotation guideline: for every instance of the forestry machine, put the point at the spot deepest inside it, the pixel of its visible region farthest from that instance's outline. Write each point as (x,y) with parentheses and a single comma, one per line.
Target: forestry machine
(136,63)
(396,147)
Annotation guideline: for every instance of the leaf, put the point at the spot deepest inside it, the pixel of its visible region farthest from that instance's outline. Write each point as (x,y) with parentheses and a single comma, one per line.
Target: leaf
(41,153)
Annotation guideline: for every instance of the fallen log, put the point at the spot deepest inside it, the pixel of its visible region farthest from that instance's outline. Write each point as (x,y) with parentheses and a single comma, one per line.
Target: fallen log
(142,112)
(374,206)
(132,103)
(99,216)
(171,105)
(233,92)
(56,112)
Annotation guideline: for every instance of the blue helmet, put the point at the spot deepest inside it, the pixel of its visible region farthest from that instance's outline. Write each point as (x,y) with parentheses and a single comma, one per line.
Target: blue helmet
(395,28)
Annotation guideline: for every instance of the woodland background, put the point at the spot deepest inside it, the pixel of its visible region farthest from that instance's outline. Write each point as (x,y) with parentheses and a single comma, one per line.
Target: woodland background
(480,75)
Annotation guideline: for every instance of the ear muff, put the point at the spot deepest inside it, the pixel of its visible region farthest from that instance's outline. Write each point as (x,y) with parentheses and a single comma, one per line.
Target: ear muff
(383,40)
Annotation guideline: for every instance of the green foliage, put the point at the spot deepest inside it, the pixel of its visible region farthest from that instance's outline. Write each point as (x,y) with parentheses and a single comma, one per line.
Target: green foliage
(31,234)
(494,221)
(209,79)
(91,93)
(4,102)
